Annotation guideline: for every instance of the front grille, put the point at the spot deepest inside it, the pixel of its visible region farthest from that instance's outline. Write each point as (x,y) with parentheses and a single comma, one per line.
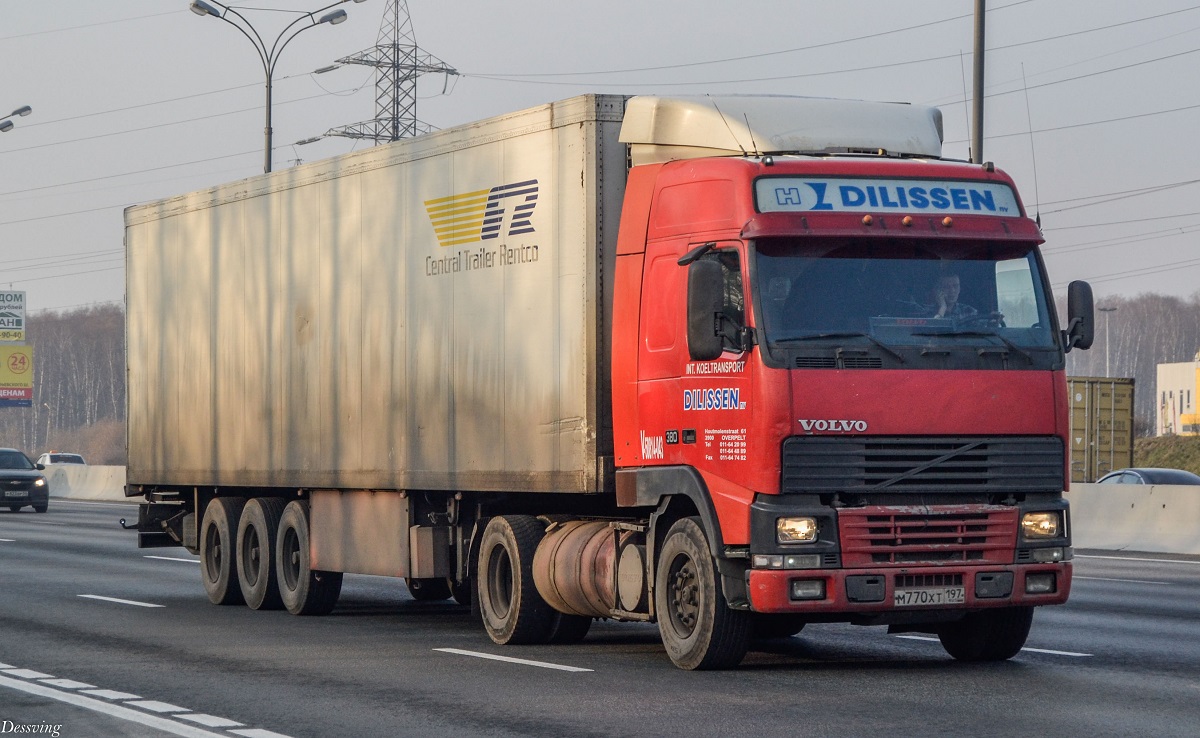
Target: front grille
(844,362)
(914,581)
(991,465)
(881,536)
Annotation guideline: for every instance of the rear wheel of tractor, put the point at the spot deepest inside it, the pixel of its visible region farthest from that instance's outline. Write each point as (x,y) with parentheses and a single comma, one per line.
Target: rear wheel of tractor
(302,590)
(698,628)
(462,591)
(425,590)
(511,608)
(256,533)
(990,635)
(218,551)
(775,625)
(566,629)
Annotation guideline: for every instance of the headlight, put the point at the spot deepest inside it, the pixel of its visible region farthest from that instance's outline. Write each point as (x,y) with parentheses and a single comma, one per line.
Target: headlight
(795,530)
(1041,525)
(40,482)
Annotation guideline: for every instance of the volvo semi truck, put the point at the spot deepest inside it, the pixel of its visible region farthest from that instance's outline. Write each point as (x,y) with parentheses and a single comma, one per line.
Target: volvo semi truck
(728,364)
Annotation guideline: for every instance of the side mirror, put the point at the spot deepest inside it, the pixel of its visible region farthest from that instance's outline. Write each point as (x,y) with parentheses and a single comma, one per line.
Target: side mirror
(705,301)
(1081,315)
(41,467)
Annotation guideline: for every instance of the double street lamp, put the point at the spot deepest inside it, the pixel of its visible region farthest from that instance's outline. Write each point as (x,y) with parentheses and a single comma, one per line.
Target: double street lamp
(6,123)
(269,56)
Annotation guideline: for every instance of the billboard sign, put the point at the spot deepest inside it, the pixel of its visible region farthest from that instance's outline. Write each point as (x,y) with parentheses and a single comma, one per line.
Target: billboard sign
(16,376)
(12,316)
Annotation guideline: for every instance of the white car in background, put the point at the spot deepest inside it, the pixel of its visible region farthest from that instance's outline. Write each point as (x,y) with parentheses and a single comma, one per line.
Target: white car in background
(55,457)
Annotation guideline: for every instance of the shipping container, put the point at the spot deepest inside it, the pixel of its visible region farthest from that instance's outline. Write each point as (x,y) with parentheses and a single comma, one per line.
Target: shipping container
(1101,426)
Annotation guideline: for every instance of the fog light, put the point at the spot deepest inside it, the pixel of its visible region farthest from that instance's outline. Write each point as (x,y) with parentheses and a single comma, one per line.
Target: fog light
(1041,525)
(808,589)
(1040,584)
(796,530)
(1047,555)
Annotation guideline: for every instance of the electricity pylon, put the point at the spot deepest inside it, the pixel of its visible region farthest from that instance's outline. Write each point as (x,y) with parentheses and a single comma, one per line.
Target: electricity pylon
(398,62)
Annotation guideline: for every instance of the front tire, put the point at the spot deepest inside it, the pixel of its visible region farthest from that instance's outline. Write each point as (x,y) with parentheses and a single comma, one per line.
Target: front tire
(989,635)
(256,534)
(302,590)
(512,609)
(218,551)
(698,628)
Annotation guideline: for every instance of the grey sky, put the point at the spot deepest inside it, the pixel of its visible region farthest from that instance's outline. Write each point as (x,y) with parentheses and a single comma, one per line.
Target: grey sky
(140,99)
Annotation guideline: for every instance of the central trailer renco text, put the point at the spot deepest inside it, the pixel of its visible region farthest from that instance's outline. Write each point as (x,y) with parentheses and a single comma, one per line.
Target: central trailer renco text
(728,364)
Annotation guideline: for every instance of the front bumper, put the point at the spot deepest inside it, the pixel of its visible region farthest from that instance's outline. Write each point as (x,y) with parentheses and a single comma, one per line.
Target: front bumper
(865,591)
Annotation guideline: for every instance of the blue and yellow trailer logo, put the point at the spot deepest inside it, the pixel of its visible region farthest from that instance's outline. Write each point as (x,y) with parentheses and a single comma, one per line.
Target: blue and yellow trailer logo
(479,215)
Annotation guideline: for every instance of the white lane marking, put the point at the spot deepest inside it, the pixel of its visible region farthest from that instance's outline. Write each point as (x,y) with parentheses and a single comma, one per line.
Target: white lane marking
(172,558)
(510,659)
(111,694)
(120,601)
(67,684)
(210,721)
(117,711)
(156,706)
(257,733)
(27,674)
(1130,581)
(1135,558)
(8,540)
(1027,648)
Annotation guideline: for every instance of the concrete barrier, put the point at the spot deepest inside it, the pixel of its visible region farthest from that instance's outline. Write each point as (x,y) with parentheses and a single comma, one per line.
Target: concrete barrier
(1159,518)
(81,482)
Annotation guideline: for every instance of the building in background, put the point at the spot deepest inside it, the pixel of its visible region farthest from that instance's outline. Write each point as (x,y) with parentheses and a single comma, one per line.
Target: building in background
(1176,386)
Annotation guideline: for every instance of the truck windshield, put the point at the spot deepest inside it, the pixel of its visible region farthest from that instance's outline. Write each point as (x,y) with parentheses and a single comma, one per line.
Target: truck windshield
(902,293)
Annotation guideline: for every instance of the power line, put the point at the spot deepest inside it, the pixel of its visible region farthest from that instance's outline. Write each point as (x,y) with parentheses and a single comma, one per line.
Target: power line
(86,25)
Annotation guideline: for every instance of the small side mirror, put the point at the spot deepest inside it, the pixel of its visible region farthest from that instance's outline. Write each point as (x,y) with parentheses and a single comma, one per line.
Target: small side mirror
(705,301)
(41,467)
(1081,315)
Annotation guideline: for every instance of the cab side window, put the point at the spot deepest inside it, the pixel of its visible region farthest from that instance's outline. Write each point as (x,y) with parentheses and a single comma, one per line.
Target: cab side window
(735,299)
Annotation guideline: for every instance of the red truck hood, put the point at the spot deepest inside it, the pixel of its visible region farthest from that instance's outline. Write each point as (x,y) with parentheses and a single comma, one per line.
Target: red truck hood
(940,403)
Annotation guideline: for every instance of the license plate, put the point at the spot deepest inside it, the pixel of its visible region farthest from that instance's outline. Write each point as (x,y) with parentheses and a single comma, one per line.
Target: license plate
(15,493)
(930,596)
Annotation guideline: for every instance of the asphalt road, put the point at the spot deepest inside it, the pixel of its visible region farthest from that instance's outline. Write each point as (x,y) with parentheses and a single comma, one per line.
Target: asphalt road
(156,659)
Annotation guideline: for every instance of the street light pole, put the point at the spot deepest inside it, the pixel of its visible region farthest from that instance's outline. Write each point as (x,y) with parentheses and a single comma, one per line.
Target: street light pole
(270,56)
(1107,343)
(6,123)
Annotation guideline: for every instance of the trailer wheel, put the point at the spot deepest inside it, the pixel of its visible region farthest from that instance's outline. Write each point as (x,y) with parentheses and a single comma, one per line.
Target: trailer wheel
(302,590)
(698,628)
(775,625)
(218,552)
(256,533)
(990,635)
(511,608)
(427,590)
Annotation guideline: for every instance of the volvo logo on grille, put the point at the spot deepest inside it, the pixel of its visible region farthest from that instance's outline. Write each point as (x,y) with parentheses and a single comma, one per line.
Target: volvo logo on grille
(833,426)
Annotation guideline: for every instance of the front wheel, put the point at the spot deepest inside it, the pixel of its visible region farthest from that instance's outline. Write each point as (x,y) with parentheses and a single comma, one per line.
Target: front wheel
(303,591)
(989,635)
(698,628)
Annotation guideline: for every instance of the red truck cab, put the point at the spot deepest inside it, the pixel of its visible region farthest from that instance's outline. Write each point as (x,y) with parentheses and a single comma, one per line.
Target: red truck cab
(848,359)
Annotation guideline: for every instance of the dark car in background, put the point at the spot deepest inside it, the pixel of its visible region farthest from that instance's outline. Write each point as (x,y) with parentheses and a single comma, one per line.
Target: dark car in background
(1149,475)
(22,482)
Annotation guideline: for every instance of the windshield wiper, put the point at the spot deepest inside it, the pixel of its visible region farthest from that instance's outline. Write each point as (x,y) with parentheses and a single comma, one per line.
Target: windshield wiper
(972,334)
(843,334)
